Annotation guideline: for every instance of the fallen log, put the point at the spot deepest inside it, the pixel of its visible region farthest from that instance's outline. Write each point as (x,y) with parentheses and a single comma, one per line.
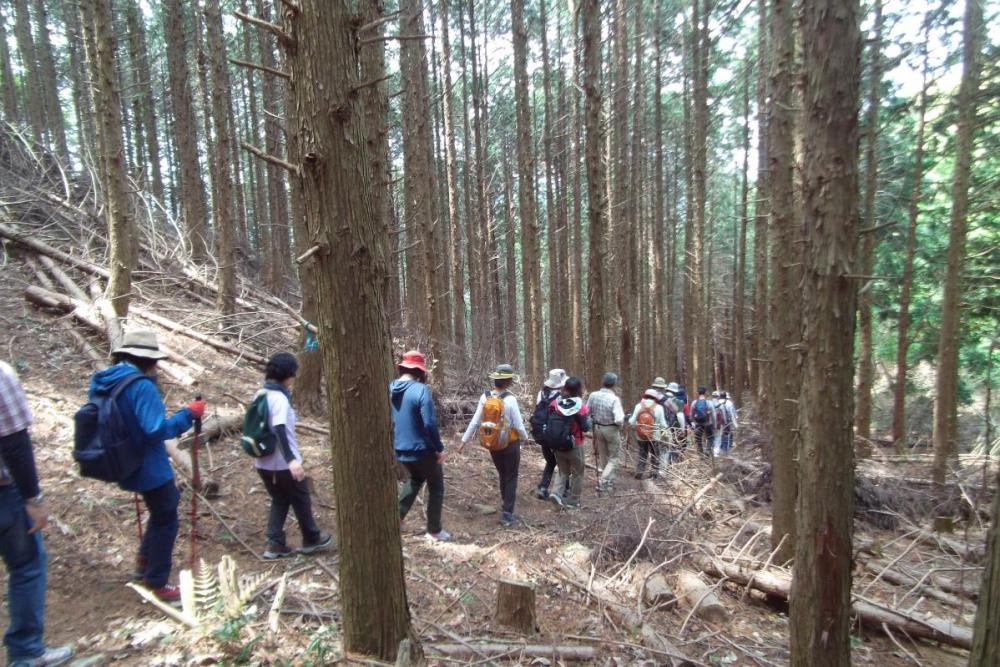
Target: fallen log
(84,344)
(513,651)
(9,232)
(968,552)
(881,571)
(625,614)
(62,278)
(867,612)
(213,428)
(698,596)
(179,328)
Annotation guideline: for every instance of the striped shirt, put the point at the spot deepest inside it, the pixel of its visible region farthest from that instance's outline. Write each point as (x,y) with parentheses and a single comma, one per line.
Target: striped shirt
(15,415)
(605,407)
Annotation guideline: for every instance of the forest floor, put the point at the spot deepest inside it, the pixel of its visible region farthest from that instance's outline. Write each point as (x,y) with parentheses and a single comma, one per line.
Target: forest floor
(451,586)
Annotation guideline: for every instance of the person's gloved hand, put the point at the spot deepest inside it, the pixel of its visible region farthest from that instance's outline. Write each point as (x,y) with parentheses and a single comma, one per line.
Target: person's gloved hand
(197,408)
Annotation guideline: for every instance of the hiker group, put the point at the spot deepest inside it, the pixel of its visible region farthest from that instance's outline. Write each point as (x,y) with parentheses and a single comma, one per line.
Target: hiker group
(663,423)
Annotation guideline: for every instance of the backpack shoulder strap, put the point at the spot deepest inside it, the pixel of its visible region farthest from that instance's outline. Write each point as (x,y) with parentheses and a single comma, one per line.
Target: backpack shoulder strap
(124,384)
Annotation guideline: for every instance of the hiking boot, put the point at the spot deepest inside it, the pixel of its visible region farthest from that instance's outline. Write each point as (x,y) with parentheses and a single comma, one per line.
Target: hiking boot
(542,492)
(440,536)
(556,499)
(507,519)
(322,544)
(52,657)
(275,551)
(167,593)
(639,475)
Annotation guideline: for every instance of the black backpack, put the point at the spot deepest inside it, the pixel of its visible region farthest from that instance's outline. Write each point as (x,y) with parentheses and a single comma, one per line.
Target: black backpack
(541,413)
(101,443)
(557,432)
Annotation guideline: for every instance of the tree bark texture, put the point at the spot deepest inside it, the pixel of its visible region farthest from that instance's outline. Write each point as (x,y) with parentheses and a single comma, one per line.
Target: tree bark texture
(784,336)
(192,191)
(350,286)
(903,325)
(11,111)
(112,155)
(530,267)
(418,180)
(34,103)
(762,206)
(986,631)
(821,595)
(866,354)
(54,121)
(139,54)
(946,390)
(596,191)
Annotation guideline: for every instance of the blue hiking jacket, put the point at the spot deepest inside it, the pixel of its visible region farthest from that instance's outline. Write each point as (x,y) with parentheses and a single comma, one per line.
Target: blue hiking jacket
(415,422)
(147,422)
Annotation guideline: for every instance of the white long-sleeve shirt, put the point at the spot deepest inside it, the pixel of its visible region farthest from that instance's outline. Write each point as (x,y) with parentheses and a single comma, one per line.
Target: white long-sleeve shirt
(511,413)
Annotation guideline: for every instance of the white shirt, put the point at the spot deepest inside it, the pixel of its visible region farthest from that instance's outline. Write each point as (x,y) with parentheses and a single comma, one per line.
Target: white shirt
(511,413)
(280,413)
(658,417)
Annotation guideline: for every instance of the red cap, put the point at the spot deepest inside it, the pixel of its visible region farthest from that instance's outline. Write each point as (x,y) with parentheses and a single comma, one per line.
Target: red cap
(413,359)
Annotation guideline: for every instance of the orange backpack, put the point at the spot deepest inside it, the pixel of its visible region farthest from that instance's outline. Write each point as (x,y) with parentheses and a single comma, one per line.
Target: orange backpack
(645,423)
(494,434)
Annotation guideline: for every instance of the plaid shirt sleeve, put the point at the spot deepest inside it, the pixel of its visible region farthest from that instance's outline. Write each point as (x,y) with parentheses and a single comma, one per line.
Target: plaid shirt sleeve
(15,415)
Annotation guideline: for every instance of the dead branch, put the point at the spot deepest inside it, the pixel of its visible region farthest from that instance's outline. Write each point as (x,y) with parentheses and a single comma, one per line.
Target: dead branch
(286,40)
(262,68)
(267,157)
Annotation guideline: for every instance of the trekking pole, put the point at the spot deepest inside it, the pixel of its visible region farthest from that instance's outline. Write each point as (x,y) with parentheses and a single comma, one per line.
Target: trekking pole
(138,516)
(195,486)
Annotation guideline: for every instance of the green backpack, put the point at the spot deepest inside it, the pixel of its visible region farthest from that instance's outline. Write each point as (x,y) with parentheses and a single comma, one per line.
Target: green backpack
(258,440)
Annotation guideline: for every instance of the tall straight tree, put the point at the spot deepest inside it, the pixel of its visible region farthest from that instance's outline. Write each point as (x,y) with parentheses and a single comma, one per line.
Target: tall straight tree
(451,171)
(986,631)
(11,112)
(758,366)
(418,176)
(784,322)
(54,121)
(946,394)
(622,215)
(530,269)
(139,53)
(658,284)
(555,295)
(333,166)
(104,76)
(913,214)
(192,192)
(739,280)
(702,371)
(258,174)
(596,190)
(866,355)
(821,589)
(34,102)
(223,205)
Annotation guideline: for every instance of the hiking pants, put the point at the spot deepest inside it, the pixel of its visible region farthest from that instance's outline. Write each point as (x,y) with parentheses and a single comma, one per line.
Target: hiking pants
(727,439)
(157,548)
(507,462)
(608,441)
(285,492)
(426,469)
(571,469)
(25,559)
(703,438)
(672,446)
(649,450)
(550,466)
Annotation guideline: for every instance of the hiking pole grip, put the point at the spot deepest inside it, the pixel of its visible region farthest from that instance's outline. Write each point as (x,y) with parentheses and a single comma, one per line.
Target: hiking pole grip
(197,420)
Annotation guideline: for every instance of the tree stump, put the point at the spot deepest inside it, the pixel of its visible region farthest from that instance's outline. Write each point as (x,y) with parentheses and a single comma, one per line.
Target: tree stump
(516,606)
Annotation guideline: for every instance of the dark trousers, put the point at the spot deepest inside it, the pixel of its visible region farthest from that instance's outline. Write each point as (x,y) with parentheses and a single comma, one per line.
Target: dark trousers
(285,492)
(703,438)
(157,548)
(507,462)
(550,466)
(25,559)
(649,450)
(426,469)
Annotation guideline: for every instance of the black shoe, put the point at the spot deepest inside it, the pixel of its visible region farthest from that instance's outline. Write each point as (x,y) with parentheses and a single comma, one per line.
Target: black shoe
(322,544)
(275,551)
(639,475)
(542,492)
(507,519)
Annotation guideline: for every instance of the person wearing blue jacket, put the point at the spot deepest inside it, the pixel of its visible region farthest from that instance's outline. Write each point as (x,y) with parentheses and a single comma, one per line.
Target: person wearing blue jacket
(417,441)
(149,426)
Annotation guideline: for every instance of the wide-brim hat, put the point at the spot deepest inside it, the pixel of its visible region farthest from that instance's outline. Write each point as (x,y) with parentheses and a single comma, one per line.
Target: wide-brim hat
(413,360)
(653,394)
(659,383)
(503,372)
(557,378)
(673,387)
(141,343)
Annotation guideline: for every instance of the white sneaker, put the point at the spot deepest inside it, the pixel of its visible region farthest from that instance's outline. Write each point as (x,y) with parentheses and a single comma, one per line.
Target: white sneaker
(442,536)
